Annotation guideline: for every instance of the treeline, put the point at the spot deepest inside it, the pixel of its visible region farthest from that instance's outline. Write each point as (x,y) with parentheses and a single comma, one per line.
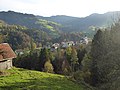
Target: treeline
(61,61)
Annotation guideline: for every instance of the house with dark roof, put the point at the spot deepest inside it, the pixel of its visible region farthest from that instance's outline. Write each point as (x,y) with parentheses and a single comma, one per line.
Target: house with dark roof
(6,56)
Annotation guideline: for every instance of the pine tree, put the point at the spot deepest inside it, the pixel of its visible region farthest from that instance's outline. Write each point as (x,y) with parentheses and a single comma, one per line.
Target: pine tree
(96,53)
(105,59)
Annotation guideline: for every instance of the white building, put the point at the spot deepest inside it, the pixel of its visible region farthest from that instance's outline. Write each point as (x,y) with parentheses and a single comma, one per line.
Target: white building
(67,44)
(84,40)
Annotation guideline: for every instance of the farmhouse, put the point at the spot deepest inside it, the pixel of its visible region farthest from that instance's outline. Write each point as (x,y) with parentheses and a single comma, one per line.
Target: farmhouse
(6,56)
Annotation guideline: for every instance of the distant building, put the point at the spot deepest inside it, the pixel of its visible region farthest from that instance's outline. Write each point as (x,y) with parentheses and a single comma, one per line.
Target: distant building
(6,56)
(19,52)
(67,44)
(84,40)
(55,46)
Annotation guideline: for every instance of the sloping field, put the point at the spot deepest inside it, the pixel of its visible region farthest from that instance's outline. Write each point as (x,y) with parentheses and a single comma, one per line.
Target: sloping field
(22,79)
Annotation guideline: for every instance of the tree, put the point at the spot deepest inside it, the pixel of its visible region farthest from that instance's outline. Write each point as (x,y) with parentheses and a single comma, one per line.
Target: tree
(74,59)
(32,45)
(86,62)
(96,54)
(57,63)
(86,65)
(43,57)
(48,66)
(68,54)
(105,58)
(80,54)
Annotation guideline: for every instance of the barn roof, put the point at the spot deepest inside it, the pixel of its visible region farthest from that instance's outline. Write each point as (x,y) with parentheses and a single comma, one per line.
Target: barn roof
(6,52)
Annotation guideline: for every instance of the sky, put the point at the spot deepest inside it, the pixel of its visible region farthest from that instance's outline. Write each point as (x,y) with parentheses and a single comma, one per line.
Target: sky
(76,8)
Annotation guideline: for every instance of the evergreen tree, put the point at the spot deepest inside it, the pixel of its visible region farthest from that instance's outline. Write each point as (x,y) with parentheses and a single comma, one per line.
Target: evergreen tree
(96,53)
(74,59)
(105,59)
(57,63)
(80,54)
(68,54)
(43,57)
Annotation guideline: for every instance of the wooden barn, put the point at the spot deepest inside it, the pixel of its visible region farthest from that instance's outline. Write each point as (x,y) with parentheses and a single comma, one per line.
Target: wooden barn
(6,56)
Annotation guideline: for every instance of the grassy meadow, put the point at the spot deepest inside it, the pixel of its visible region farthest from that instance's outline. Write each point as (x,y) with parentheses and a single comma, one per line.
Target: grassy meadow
(22,79)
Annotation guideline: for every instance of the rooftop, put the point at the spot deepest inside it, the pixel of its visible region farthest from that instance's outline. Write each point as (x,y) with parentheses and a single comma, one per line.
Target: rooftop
(6,51)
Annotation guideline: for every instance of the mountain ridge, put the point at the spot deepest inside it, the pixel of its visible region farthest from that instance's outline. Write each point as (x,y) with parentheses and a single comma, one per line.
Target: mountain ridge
(67,23)
(83,24)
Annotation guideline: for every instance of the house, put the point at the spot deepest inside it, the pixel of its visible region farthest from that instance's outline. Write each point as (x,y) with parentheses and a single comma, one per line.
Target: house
(84,40)
(6,56)
(67,44)
(55,46)
(19,52)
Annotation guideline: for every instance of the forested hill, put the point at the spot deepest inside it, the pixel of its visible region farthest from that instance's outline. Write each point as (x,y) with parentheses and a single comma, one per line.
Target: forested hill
(83,24)
(66,23)
(29,21)
(20,37)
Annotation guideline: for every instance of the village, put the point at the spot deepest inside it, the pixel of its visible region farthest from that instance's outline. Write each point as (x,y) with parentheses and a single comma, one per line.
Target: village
(63,45)
(7,54)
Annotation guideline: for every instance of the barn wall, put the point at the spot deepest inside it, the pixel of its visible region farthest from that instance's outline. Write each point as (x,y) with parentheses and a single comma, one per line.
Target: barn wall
(6,65)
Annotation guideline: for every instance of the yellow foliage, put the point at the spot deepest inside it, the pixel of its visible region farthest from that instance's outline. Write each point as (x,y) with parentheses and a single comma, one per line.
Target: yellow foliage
(48,67)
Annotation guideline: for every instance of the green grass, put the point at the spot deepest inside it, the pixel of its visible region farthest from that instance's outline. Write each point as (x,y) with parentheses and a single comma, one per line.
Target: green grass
(22,79)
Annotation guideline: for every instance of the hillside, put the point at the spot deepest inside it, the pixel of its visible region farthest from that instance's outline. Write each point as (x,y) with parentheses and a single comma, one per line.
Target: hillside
(30,21)
(54,26)
(16,78)
(83,24)
(20,37)
(66,23)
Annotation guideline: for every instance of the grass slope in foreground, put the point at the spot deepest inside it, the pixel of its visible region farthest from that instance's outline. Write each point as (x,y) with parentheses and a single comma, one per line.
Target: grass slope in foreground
(22,79)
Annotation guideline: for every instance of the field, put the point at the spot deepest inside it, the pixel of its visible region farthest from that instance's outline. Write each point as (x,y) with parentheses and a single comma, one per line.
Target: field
(22,79)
